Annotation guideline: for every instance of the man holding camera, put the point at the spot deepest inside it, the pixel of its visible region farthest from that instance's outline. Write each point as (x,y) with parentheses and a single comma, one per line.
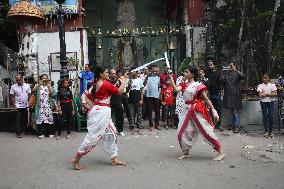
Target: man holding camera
(232,93)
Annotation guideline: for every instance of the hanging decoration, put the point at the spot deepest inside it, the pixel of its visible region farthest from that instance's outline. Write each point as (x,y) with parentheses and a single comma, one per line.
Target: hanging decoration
(150,31)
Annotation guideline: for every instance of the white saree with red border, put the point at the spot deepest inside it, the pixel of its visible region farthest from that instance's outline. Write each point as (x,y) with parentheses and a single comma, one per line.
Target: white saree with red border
(195,119)
(101,129)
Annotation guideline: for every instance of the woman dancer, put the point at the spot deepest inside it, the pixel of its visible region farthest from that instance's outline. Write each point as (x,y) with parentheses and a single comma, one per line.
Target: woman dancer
(100,126)
(195,118)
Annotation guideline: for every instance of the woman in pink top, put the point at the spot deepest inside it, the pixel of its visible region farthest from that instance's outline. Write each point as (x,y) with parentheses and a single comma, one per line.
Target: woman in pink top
(266,92)
(101,129)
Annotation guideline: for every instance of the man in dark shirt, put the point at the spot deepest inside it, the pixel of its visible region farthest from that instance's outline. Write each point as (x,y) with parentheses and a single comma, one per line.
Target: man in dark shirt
(124,96)
(232,93)
(215,89)
(116,104)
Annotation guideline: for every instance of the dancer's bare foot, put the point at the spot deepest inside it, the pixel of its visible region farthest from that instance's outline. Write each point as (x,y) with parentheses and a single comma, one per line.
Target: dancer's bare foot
(219,157)
(185,156)
(76,164)
(115,161)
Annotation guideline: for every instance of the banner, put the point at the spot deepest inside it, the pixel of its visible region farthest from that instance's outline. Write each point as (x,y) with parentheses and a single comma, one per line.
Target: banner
(51,7)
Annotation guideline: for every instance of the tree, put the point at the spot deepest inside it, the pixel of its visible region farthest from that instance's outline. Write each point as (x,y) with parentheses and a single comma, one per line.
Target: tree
(8,30)
(242,34)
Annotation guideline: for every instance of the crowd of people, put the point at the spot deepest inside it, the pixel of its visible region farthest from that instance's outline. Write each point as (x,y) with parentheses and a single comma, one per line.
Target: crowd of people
(190,103)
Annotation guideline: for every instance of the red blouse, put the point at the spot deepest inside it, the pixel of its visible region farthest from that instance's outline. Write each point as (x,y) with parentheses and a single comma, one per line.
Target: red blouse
(105,91)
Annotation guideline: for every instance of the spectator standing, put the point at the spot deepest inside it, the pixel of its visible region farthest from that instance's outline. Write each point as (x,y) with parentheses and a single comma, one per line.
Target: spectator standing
(202,76)
(215,89)
(44,106)
(143,77)
(163,78)
(167,99)
(232,93)
(135,88)
(267,91)
(20,95)
(153,97)
(65,109)
(165,75)
(116,104)
(56,119)
(179,99)
(124,96)
(86,77)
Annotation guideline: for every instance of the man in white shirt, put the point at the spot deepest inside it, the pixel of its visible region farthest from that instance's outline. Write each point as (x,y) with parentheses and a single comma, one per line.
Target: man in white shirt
(135,100)
(20,95)
(267,91)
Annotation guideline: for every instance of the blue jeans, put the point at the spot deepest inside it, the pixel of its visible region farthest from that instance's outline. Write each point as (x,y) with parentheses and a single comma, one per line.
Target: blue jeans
(267,113)
(236,118)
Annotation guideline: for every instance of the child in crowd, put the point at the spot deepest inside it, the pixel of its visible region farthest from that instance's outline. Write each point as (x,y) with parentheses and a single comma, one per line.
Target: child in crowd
(65,109)
(167,98)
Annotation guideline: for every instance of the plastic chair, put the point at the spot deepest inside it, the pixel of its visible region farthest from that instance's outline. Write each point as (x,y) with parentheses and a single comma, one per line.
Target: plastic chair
(79,118)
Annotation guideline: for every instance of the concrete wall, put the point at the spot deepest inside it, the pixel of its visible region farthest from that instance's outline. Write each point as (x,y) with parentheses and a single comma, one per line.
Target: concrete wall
(49,43)
(251,116)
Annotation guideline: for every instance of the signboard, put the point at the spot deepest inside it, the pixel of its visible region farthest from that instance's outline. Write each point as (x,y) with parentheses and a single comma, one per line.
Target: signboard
(51,7)
(55,65)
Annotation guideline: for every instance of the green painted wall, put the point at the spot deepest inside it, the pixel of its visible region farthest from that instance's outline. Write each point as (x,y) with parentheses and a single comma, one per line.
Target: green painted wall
(103,14)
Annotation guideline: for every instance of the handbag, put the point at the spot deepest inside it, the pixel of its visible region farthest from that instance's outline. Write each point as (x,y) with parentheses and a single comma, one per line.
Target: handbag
(32,101)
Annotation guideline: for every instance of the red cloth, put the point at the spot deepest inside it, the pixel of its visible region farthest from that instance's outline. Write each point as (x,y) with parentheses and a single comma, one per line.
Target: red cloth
(195,11)
(163,78)
(199,105)
(168,95)
(105,91)
(183,86)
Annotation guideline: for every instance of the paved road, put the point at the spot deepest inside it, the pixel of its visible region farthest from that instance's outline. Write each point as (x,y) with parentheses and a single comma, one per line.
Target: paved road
(152,163)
